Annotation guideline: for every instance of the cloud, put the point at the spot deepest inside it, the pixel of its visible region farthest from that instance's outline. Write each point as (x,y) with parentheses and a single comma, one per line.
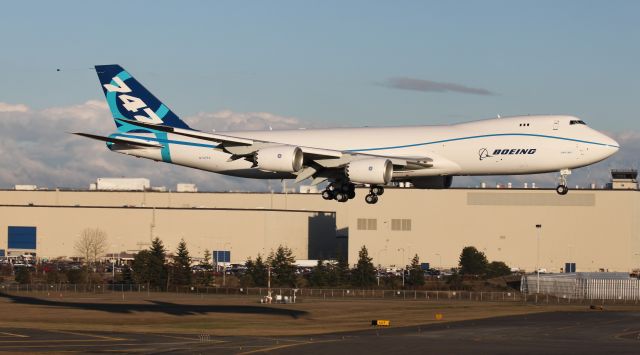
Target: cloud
(5,107)
(405,83)
(228,120)
(36,148)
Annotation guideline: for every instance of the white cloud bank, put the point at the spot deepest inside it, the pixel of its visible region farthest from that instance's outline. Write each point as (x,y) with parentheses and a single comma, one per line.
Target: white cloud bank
(36,148)
(5,107)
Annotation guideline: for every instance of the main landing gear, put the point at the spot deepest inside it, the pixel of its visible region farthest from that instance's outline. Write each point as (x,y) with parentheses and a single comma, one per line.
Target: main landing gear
(343,192)
(374,192)
(562,188)
(339,192)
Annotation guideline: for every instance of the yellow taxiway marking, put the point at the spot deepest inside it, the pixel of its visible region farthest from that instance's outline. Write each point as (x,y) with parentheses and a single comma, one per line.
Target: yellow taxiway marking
(285,346)
(8,335)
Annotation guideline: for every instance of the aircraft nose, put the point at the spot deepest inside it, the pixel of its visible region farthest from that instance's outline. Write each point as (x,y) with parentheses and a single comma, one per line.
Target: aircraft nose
(610,143)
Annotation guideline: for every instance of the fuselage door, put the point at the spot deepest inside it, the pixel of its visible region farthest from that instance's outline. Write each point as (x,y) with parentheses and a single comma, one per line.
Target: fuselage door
(556,124)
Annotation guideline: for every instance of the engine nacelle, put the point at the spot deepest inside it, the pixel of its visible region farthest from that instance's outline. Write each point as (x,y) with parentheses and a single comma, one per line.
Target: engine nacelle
(284,158)
(370,171)
(432,182)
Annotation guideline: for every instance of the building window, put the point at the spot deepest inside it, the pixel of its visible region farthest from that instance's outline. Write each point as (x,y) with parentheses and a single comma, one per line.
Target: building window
(401,225)
(367,224)
(406,224)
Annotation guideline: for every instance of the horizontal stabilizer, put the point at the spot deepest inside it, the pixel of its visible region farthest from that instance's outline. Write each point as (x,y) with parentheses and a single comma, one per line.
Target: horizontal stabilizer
(192,133)
(129,141)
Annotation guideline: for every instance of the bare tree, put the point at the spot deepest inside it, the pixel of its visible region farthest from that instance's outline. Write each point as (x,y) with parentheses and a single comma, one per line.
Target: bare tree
(91,244)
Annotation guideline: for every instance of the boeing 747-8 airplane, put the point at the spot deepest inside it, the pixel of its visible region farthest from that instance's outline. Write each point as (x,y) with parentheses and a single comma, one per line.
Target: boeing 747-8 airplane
(426,156)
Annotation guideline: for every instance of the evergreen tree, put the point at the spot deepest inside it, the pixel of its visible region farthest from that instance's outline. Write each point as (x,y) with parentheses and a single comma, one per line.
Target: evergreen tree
(257,271)
(364,274)
(181,265)
(319,275)
(142,267)
(472,262)
(206,275)
(497,269)
(282,266)
(149,266)
(157,264)
(416,274)
(206,261)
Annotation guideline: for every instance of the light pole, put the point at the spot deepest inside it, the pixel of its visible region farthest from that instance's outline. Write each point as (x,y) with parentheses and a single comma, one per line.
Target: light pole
(379,265)
(538,228)
(439,260)
(404,266)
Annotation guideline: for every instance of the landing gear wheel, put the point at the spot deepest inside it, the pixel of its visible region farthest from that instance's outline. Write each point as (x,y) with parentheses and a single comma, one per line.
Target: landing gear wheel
(377,190)
(327,195)
(562,189)
(371,199)
(351,194)
(342,197)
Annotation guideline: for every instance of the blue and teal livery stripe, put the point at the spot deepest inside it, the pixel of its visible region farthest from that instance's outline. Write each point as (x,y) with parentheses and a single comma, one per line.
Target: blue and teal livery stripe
(164,151)
(480,136)
(162,111)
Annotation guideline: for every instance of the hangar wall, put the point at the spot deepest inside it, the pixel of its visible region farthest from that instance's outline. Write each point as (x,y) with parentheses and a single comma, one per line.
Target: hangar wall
(243,232)
(596,229)
(241,200)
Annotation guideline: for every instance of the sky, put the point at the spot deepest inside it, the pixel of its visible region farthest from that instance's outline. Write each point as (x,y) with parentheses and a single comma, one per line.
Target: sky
(254,64)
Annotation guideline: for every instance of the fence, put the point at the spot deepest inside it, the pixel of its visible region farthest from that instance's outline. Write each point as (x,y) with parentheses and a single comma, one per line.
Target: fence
(321,294)
(577,287)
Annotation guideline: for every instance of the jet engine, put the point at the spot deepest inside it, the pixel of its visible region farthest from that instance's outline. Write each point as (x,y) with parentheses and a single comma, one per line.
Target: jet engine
(370,171)
(432,182)
(284,158)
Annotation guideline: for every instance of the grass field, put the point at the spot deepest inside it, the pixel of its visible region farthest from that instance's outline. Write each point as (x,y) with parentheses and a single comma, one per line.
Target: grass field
(233,315)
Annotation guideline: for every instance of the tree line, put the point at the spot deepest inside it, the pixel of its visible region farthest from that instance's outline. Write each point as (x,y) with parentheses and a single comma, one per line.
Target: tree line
(154,268)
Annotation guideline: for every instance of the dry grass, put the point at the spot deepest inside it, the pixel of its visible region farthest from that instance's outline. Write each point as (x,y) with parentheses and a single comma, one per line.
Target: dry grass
(233,315)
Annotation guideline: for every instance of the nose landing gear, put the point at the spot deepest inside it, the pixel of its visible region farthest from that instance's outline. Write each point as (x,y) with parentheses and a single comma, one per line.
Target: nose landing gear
(562,188)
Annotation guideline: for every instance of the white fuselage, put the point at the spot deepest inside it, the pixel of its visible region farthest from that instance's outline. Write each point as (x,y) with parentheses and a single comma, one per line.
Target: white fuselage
(500,146)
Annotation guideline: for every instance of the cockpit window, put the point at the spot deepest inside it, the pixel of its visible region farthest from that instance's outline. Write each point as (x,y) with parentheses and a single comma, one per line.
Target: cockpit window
(572,122)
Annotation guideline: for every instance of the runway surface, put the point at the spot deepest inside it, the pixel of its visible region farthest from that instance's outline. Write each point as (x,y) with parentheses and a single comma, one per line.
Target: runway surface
(549,333)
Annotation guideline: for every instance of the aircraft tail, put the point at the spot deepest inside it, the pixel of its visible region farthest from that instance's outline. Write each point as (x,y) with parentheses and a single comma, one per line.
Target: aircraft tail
(128,99)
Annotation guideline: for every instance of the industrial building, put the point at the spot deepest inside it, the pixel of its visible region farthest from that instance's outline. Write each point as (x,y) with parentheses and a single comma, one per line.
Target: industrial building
(526,228)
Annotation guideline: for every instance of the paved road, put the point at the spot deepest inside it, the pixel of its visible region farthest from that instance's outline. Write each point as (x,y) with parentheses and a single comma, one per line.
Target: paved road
(549,333)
